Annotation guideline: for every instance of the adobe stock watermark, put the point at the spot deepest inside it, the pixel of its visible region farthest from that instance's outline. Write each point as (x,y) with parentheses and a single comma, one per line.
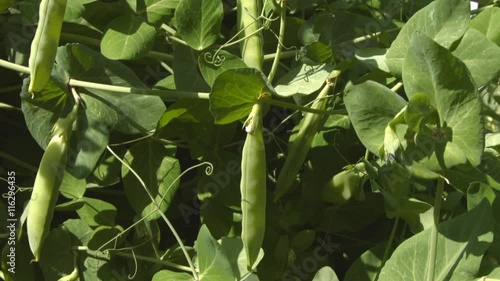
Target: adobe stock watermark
(11,222)
(310,265)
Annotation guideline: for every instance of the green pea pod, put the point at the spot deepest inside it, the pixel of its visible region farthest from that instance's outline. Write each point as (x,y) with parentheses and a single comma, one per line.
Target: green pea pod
(253,187)
(299,147)
(345,185)
(45,43)
(47,183)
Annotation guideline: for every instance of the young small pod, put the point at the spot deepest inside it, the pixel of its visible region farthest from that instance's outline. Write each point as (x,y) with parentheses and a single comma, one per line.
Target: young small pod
(45,43)
(299,147)
(253,187)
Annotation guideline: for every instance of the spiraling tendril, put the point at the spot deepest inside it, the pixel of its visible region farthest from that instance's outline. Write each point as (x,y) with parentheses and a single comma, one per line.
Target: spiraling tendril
(214,59)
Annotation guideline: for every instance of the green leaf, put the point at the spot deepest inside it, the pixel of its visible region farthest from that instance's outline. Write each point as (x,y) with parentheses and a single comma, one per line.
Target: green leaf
(234,93)
(211,66)
(185,64)
(107,171)
(303,240)
(492,140)
(431,69)
(80,230)
(5,4)
(487,23)
(480,55)
(103,111)
(152,162)
(419,112)
(155,11)
(212,261)
(233,248)
(373,58)
(97,212)
(167,275)
(461,244)
(325,273)
(303,79)
(56,259)
(417,214)
(371,106)
(445,21)
(71,187)
(354,215)
(92,268)
(199,22)
(128,37)
(102,235)
(368,265)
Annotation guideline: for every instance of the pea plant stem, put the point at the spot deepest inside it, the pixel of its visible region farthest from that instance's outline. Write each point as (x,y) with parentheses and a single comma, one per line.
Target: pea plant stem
(302,108)
(434,231)
(164,94)
(281,37)
(283,55)
(13,66)
(18,161)
(389,243)
(361,39)
(100,255)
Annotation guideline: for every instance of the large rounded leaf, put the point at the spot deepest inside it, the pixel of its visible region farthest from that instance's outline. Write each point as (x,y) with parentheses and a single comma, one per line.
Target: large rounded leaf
(234,93)
(431,69)
(199,22)
(443,20)
(371,107)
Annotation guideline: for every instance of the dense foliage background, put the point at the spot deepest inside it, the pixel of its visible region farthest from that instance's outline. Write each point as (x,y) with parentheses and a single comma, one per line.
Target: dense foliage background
(393,105)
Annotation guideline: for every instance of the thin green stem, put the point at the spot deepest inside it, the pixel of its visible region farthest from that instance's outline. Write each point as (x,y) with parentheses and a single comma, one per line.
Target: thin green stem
(11,88)
(100,255)
(160,56)
(302,108)
(366,37)
(367,155)
(389,244)
(283,55)
(13,66)
(281,37)
(241,39)
(18,162)
(9,107)
(397,86)
(70,37)
(164,94)
(164,217)
(168,29)
(434,231)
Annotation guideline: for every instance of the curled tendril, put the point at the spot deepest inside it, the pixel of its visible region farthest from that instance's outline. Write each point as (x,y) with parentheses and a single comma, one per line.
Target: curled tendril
(135,266)
(214,59)
(309,71)
(209,169)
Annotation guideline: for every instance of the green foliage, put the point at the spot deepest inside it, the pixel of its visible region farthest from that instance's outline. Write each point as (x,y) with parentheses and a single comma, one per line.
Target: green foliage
(332,140)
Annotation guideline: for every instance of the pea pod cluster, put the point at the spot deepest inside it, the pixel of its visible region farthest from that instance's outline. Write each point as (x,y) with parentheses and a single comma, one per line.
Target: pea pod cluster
(47,183)
(299,147)
(45,43)
(253,186)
